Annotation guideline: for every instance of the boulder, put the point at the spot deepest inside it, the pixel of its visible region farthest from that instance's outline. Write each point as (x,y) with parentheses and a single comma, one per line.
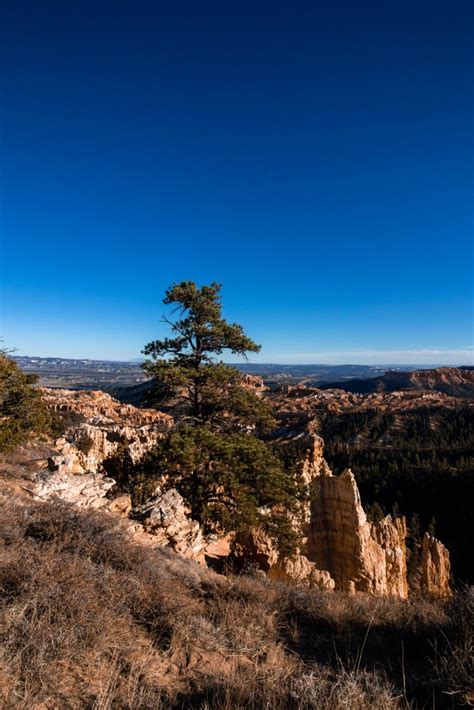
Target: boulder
(87,490)
(121,505)
(166,517)
(257,548)
(299,570)
(254,546)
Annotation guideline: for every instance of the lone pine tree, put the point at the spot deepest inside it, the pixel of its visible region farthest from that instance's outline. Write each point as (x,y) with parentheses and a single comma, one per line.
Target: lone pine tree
(229,477)
(204,391)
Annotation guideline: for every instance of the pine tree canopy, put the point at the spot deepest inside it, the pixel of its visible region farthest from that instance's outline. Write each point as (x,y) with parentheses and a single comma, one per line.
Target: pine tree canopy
(230,478)
(203,389)
(21,407)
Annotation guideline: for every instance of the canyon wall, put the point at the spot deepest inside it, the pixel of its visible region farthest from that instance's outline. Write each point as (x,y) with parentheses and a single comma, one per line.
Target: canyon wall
(339,547)
(359,555)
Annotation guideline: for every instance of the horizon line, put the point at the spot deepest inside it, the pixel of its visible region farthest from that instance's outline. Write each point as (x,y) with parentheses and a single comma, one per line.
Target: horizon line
(138,361)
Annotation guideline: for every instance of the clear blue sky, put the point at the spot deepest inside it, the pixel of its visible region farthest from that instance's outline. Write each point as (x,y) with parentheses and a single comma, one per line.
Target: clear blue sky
(315,158)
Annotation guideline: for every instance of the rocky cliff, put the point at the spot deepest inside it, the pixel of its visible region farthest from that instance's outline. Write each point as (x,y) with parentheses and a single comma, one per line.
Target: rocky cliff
(362,556)
(339,547)
(359,556)
(453,381)
(103,426)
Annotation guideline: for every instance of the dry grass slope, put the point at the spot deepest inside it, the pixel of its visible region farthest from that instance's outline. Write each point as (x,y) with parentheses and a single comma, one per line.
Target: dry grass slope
(89,620)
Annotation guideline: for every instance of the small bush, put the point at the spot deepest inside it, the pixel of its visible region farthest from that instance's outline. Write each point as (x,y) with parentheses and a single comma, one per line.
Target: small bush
(84,443)
(63,420)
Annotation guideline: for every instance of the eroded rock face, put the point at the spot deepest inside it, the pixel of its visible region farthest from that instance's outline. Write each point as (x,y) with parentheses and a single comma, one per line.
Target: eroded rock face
(313,463)
(254,383)
(121,505)
(166,517)
(360,556)
(300,570)
(87,490)
(258,549)
(338,547)
(96,405)
(255,546)
(107,426)
(435,567)
(390,534)
(75,463)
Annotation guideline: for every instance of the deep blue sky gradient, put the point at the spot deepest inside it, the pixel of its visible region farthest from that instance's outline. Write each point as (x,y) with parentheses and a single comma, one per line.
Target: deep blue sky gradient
(315,158)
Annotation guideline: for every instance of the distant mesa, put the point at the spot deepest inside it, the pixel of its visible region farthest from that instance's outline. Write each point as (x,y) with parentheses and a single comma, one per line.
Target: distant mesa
(453,381)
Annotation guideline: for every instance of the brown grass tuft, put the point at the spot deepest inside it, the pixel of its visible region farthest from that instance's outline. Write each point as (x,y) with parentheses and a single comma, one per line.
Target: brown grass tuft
(89,620)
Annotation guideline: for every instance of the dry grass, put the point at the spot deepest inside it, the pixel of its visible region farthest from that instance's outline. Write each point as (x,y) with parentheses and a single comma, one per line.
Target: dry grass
(89,620)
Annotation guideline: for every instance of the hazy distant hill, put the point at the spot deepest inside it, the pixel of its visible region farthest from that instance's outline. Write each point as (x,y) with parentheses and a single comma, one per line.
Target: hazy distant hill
(454,381)
(76,373)
(82,373)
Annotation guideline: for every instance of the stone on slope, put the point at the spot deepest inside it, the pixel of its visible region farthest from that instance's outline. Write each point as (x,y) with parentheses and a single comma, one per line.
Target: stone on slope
(299,570)
(256,547)
(167,518)
(86,490)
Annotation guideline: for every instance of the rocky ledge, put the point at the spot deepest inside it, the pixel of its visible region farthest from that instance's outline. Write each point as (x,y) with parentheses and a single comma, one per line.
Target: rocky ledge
(340,548)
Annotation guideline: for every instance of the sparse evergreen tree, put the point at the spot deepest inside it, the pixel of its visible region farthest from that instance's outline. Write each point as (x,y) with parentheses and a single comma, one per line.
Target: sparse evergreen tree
(203,390)
(374,512)
(21,408)
(230,478)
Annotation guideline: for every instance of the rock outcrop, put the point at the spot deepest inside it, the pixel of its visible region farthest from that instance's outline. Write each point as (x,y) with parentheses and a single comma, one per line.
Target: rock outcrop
(106,426)
(121,505)
(99,426)
(86,490)
(339,548)
(97,405)
(435,567)
(359,555)
(299,570)
(452,381)
(166,517)
(255,547)
(254,383)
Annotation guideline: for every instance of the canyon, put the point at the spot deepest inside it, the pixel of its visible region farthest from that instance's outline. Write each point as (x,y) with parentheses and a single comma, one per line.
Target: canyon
(339,549)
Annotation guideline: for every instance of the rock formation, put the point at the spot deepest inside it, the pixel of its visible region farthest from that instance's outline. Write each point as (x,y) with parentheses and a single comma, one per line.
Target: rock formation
(87,490)
(360,556)
(338,549)
(166,517)
(299,570)
(254,383)
(256,547)
(99,405)
(121,505)
(453,381)
(435,567)
(107,425)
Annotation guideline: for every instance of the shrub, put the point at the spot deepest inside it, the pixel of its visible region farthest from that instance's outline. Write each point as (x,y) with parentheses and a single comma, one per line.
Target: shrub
(84,443)
(21,408)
